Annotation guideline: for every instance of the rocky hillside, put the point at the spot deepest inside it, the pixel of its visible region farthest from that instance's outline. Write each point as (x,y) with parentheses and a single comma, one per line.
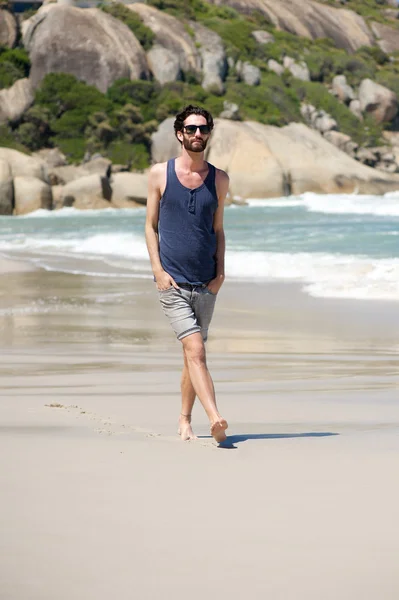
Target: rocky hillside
(100,81)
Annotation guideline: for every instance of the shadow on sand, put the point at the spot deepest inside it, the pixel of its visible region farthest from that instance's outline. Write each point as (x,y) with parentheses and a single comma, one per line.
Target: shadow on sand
(243,437)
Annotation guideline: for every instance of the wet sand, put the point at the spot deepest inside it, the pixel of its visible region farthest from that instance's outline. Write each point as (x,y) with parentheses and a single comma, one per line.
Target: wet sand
(100,497)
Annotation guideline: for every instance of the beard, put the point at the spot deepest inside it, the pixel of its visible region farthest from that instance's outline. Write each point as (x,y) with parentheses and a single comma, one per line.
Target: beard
(194,145)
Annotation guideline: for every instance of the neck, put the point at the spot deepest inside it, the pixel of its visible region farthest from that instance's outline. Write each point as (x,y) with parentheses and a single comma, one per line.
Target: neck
(191,161)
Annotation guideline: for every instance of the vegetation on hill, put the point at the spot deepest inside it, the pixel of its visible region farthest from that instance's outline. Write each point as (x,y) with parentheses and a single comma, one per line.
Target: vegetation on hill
(14,64)
(78,118)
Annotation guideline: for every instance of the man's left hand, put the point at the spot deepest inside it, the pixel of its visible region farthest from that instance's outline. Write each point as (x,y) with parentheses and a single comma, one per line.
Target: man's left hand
(215,284)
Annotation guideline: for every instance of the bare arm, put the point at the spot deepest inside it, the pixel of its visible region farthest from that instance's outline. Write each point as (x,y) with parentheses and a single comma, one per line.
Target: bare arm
(222,186)
(163,279)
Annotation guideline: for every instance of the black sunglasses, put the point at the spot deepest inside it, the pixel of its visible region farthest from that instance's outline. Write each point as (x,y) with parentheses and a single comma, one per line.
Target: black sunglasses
(204,129)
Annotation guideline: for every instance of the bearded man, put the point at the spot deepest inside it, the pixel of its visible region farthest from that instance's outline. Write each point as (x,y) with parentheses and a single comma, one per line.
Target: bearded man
(186,245)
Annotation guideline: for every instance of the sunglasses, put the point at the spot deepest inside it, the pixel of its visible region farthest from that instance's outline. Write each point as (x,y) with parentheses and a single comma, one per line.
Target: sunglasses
(204,129)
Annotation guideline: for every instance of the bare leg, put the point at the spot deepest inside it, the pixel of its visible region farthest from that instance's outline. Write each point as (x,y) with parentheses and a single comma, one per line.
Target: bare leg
(187,402)
(201,380)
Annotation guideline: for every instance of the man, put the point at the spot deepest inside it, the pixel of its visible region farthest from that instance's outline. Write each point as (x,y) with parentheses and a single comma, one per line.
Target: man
(186,244)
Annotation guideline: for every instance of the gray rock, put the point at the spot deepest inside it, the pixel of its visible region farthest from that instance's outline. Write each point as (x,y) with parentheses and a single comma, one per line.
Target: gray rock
(342,90)
(6,189)
(213,56)
(391,13)
(274,66)
(92,191)
(230,62)
(387,167)
(53,157)
(31,194)
(387,37)
(164,64)
(129,189)
(249,74)
(392,137)
(367,157)
(230,111)
(377,100)
(164,142)
(318,119)
(354,107)
(342,141)
(8,29)
(299,70)
(23,165)
(87,43)
(263,37)
(174,51)
(15,100)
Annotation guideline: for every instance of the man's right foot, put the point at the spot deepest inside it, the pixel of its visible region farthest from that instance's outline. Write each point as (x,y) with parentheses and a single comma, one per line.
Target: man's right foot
(185,431)
(218,429)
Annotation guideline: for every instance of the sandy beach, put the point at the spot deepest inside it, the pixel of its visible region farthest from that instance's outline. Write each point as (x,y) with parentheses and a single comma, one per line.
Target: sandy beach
(101,499)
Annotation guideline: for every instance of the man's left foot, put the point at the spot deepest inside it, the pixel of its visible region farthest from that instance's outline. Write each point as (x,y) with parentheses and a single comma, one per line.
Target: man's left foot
(185,431)
(218,429)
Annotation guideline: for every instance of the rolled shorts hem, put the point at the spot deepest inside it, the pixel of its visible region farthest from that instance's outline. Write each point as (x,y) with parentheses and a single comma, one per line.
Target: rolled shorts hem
(196,329)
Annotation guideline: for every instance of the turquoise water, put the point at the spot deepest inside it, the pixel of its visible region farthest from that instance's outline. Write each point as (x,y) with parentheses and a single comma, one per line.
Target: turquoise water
(337,246)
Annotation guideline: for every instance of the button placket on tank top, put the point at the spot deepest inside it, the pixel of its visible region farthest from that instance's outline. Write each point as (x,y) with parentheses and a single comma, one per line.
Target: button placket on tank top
(191,202)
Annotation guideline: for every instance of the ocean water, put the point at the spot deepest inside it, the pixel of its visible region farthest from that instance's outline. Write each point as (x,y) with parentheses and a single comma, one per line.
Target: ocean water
(343,246)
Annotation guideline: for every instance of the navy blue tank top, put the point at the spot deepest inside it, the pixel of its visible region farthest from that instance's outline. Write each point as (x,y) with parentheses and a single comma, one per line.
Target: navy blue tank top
(187,240)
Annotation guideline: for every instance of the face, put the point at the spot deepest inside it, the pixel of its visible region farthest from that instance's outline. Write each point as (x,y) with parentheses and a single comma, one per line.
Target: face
(194,141)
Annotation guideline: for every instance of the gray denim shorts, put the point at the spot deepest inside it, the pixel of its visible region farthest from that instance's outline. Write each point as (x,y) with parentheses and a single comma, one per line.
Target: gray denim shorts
(189,309)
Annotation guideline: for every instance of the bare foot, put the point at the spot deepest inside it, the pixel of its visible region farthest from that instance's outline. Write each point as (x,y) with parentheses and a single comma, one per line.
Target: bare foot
(185,431)
(218,429)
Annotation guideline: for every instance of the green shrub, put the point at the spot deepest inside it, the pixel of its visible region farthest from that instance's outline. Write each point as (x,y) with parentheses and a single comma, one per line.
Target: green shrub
(8,140)
(138,92)
(144,34)
(9,74)
(73,148)
(136,156)
(270,103)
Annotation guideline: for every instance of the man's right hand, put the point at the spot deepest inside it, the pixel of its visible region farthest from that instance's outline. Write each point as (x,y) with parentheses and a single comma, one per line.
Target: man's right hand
(164,281)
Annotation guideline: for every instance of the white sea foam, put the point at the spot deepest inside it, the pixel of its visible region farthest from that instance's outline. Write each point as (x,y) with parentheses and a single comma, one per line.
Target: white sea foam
(382,206)
(327,275)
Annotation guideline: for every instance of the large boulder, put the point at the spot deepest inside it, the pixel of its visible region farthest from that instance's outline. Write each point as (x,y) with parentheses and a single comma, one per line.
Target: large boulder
(174,51)
(15,100)
(129,190)
(64,174)
(6,189)
(87,43)
(164,143)
(310,19)
(313,164)
(24,165)
(31,194)
(241,150)
(387,37)
(91,191)
(377,100)
(259,165)
(8,29)
(213,57)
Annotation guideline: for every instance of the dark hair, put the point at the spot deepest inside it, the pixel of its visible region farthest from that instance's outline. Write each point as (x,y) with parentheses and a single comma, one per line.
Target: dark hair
(191,110)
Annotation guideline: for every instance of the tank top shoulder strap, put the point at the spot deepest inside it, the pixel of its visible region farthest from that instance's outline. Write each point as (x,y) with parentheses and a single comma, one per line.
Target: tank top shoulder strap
(212,180)
(170,170)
